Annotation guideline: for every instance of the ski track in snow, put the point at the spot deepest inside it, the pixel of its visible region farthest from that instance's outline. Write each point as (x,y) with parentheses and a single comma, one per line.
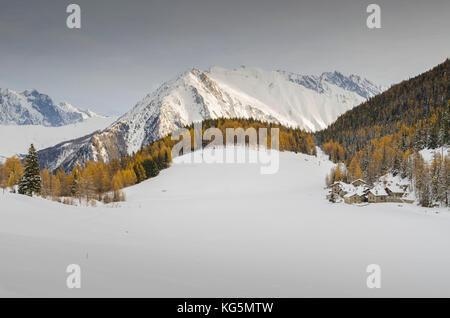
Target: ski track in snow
(224,230)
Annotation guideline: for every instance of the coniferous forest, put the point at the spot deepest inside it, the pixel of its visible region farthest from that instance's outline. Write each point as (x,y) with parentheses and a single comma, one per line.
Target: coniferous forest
(420,103)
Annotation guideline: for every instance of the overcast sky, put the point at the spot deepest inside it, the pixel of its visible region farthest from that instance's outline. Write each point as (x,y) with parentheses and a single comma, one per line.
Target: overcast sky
(125,49)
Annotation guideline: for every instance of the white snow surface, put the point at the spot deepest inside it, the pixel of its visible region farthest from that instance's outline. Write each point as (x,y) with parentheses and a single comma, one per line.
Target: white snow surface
(225,230)
(291,103)
(428,154)
(15,140)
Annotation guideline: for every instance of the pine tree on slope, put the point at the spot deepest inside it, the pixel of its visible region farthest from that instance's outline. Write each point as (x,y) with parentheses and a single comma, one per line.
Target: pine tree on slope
(31,178)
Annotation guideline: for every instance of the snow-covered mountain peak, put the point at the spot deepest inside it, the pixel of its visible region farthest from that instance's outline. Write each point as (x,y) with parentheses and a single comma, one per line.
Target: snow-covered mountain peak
(354,83)
(306,101)
(310,102)
(321,83)
(30,92)
(30,107)
(85,113)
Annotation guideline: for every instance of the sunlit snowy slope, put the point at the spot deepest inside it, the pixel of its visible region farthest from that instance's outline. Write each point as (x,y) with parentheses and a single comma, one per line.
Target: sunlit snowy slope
(224,230)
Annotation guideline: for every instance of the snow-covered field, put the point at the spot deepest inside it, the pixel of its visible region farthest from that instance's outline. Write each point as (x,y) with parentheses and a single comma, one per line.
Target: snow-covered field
(224,230)
(16,139)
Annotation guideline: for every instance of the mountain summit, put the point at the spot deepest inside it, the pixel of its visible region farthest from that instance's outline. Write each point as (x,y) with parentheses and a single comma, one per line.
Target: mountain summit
(30,107)
(307,102)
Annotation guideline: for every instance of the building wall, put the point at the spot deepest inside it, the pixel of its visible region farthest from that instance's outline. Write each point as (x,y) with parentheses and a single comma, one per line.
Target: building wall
(353,199)
(375,199)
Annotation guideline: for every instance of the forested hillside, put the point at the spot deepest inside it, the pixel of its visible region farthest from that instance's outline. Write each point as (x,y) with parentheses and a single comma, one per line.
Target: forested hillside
(421,103)
(385,134)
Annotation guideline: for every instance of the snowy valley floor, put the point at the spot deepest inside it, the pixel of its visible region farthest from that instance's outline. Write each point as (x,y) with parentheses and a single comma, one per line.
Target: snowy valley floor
(212,230)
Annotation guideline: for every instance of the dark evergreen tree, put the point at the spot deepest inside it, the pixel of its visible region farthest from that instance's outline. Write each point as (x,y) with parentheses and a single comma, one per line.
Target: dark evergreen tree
(31,178)
(74,185)
(150,167)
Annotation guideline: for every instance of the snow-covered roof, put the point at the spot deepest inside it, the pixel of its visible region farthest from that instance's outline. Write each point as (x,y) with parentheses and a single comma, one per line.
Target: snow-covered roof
(348,187)
(396,184)
(360,180)
(389,178)
(395,188)
(359,191)
(378,191)
(344,186)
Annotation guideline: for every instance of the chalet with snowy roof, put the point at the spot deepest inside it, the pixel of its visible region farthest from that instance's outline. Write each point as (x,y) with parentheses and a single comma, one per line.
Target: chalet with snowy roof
(394,191)
(351,198)
(377,194)
(356,195)
(388,189)
(340,188)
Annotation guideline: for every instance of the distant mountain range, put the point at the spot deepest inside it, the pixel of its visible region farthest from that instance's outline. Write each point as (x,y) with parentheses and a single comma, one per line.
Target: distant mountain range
(308,102)
(30,107)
